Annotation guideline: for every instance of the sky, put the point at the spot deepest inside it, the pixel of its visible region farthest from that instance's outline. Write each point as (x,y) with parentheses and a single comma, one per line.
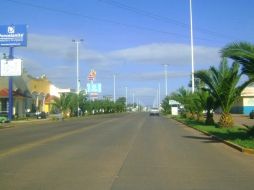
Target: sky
(131,39)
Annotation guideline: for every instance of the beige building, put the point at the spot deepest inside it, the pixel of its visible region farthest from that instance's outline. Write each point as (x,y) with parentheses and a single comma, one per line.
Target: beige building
(30,94)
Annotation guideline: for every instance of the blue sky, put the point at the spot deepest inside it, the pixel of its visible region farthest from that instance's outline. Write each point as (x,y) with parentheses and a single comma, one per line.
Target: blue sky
(129,38)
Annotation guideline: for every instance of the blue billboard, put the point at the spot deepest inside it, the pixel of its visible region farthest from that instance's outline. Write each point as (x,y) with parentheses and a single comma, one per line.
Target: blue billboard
(93,87)
(13,35)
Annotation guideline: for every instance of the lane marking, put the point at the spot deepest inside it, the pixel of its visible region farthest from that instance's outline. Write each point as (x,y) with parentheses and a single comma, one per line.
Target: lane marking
(31,145)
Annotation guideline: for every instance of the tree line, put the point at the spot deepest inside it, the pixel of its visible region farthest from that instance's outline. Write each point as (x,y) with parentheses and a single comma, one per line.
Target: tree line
(68,104)
(217,87)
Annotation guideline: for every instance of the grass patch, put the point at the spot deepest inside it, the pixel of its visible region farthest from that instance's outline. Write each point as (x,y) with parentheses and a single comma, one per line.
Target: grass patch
(237,135)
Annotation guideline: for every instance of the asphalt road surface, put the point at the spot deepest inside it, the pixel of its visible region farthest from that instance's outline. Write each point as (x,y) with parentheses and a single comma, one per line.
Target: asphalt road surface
(119,152)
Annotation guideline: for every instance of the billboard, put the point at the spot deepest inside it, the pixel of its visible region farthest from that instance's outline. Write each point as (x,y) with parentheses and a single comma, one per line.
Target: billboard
(91,75)
(93,87)
(11,67)
(13,35)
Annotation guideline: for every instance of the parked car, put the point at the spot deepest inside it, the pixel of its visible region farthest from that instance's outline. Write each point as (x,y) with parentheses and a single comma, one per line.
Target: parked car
(4,117)
(41,115)
(252,114)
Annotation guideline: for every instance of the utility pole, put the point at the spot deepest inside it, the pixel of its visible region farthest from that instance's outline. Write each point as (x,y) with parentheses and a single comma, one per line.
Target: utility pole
(166,78)
(77,44)
(114,76)
(126,96)
(192,50)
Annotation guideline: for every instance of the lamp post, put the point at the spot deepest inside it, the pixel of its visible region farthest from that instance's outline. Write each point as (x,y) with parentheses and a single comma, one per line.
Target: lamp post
(126,96)
(114,77)
(166,78)
(77,44)
(192,50)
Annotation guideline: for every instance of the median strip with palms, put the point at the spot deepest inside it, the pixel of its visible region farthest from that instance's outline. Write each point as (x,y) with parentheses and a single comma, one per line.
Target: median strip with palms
(219,87)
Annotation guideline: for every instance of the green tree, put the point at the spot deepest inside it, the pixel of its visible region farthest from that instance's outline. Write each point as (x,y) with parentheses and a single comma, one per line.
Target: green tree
(223,85)
(62,104)
(243,53)
(186,98)
(165,105)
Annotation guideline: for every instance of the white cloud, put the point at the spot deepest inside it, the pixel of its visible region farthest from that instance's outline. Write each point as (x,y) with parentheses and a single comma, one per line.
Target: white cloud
(167,53)
(55,56)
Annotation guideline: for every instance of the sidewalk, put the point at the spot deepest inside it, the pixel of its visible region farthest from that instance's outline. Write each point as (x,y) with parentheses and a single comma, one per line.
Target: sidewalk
(239,119)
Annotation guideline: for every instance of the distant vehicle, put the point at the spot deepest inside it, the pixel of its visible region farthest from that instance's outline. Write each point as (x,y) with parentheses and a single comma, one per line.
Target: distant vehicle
(41,115)
(154,111)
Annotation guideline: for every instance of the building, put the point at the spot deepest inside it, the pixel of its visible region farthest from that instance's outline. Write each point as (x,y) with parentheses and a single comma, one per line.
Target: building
(30,94)
(246,102)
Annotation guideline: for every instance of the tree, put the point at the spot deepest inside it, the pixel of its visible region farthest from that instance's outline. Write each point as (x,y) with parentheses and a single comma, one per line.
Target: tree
(62,104)
(186,98)
(243,53)
(222,84)
(165,105)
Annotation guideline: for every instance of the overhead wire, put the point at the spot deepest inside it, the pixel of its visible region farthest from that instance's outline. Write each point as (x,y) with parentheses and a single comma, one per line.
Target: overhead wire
(158,17)
(144,28)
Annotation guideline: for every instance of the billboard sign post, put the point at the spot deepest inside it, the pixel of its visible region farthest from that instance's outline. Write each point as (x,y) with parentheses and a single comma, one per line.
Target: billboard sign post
(13,35)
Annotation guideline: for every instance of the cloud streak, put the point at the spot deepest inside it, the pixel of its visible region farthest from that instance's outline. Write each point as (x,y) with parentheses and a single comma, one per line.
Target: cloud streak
(55,56)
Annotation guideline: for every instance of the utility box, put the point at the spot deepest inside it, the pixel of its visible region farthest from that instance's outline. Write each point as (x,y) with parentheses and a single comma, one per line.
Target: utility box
(174,106)
(174,110)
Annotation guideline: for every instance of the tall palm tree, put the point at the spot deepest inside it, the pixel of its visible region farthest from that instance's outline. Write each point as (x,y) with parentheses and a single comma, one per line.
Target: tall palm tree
(223,85)
(243,53)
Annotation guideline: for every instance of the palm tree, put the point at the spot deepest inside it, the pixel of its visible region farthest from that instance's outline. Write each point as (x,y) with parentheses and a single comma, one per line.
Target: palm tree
(63,103)
(185,97)
(243,53)
(222,84)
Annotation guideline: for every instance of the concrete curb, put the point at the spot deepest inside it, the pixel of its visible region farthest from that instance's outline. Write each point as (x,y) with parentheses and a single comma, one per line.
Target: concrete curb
(232,145)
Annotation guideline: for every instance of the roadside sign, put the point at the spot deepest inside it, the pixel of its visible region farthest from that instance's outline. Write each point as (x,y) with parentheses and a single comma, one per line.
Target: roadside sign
(11,67)
(93,87)
(91,75)
(13,35)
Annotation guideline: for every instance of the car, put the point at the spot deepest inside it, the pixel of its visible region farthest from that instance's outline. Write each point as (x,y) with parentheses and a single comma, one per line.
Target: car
(3,119)
(154,111)
(41,115)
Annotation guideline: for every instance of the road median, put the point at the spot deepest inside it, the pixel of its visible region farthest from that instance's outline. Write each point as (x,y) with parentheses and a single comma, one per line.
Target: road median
(232,137)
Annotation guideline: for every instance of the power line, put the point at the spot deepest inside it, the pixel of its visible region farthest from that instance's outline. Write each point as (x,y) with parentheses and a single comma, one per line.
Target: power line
(160,18)
(144,28)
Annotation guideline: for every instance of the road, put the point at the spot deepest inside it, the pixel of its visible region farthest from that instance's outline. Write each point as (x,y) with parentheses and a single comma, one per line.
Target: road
(119,152)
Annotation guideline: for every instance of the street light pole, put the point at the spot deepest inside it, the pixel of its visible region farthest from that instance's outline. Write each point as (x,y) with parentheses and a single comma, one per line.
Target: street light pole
(114,76)
(192,50)
(126,96)
(166,78)
(77,44)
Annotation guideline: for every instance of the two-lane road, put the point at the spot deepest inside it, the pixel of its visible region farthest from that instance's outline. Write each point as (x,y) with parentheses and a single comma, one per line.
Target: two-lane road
(119,152)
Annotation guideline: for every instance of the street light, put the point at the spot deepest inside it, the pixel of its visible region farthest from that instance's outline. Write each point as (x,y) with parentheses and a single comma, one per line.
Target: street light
(192,50)
(166,78)
(126,96)
(77,43)
(114,76)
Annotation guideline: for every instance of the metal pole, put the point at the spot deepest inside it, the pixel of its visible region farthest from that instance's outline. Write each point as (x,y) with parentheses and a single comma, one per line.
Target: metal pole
(114,76)
(77,43)
(166,78)
(126,96)
(133,99)
(10,93)
(192,50)
(159,98)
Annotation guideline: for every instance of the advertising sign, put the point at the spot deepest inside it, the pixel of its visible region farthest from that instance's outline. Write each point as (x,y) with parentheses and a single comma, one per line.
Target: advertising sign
(13,35)
(11,67)
(93,87)
(92,75)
